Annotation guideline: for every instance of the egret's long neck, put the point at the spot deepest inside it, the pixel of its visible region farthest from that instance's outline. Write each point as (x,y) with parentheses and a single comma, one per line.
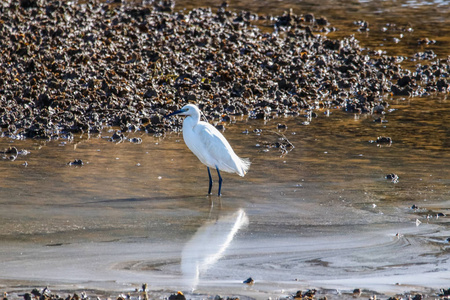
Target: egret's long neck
(191,120)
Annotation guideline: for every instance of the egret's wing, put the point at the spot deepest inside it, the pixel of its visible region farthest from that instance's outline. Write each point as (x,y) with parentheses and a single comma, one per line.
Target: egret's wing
(218,151)
(196,144)
(214,144)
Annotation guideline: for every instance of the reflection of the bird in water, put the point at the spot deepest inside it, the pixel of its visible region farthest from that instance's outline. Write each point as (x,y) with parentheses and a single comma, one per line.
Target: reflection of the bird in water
(208,245)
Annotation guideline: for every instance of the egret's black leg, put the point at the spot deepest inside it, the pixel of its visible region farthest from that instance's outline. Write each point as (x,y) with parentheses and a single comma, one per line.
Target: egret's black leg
(220,180)
(210,182)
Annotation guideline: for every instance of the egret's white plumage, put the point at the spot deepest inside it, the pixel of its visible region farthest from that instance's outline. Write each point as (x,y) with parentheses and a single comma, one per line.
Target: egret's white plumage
(209,145)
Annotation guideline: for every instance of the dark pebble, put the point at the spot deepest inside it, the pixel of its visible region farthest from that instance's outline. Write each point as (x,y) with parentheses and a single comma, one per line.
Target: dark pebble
(136,140)
(310,293)
(298,295)
(220,127)
(380,120)
(76,162)
(356,292)
(384,140)
(417,297)
(177,296)
(248,281)
(12,151)
(322,21)
(117,137)
(393,177)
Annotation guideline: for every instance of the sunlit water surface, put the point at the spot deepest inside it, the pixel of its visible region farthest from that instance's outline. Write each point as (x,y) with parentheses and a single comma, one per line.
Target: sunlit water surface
(323,215)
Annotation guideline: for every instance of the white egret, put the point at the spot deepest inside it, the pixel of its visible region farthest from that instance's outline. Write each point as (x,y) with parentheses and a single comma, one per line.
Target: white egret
(209,145)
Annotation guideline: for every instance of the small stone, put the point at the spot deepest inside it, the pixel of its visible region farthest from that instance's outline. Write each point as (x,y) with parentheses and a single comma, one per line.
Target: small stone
(76,162)
(249,281)
(298,295)
(220,127)
(357,292)
(384,140)
(136,140)
(117,137)
(393,177)
(417,297)
(178,296)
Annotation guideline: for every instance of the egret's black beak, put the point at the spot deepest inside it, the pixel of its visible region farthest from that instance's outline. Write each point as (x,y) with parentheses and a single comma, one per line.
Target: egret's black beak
(175,113)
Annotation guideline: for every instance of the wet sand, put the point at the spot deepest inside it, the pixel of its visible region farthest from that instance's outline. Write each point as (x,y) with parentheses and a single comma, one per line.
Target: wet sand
(322,216)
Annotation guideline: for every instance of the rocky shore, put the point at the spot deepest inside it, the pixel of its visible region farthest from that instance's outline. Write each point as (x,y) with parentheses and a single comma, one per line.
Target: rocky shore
(71,67)
(145,294)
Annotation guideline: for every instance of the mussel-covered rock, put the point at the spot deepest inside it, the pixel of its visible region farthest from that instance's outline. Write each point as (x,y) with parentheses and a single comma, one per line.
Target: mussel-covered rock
(79,66)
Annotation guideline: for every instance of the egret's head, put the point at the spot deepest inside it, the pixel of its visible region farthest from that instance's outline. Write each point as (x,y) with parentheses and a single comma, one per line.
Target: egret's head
(187,110)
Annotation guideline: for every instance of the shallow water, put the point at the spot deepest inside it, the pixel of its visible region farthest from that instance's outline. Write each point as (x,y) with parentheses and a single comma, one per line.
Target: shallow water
(323,215)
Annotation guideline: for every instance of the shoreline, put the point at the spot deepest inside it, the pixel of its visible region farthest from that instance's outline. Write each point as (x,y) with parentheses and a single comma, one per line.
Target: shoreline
(134,292)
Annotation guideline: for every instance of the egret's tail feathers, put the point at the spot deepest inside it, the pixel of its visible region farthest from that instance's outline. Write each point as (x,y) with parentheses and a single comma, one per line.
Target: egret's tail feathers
(244,166)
